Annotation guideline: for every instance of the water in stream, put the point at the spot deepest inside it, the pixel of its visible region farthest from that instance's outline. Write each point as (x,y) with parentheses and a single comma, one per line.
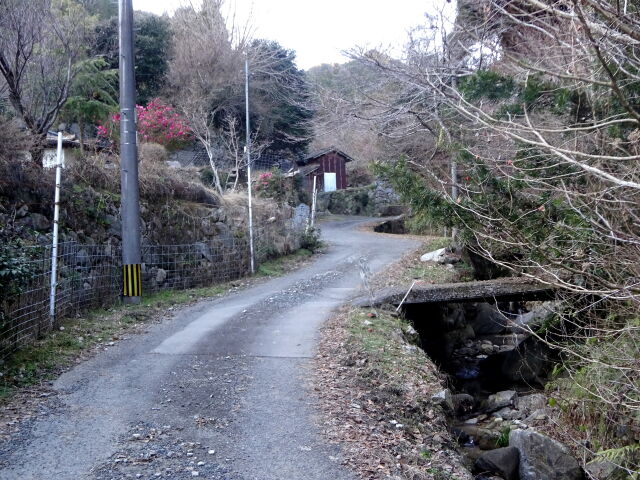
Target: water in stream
(496,368)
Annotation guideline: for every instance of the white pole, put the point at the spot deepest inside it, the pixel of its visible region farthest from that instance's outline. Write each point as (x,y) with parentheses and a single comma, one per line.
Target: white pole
(313,202)
(248,147)
(54,249)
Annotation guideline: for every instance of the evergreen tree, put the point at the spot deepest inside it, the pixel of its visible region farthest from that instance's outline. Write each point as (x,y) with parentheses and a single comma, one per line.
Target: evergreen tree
(282,97)
(94,95)
(152,40)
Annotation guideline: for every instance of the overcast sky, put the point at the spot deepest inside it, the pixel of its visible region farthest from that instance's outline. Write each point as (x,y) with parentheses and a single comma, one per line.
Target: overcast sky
(318,30)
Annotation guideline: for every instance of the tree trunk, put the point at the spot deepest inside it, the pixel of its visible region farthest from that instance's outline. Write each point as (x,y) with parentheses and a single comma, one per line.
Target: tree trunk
(81,137)
(216,177)
(37,149)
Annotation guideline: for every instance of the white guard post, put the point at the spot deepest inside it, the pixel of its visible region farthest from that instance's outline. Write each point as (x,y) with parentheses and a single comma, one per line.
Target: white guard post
(54,248)
(314,195)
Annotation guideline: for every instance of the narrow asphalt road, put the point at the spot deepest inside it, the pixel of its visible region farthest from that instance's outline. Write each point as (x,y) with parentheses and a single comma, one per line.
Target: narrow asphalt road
(217,392)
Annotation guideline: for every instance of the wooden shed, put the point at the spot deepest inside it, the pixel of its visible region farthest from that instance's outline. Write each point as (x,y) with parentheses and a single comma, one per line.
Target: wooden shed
(328,166)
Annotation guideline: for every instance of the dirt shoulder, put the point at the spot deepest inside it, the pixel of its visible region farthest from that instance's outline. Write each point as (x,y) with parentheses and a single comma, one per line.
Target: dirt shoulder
(374,388)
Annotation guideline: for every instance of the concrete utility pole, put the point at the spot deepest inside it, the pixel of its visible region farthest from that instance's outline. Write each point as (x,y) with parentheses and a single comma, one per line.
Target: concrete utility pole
(130,190)
(454,174)
(248,147)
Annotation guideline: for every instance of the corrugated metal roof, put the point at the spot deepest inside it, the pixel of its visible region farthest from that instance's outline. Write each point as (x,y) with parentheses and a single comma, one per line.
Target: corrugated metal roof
(308,169)
(313,156)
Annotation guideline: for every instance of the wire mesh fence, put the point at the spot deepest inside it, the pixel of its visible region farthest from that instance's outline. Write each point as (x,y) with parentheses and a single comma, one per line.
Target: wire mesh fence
(90,276)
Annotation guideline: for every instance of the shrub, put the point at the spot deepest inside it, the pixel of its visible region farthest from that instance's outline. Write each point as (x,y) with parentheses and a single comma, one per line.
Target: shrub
(274,185)
(157,123)
(311,239)
(153,153)
(15,272)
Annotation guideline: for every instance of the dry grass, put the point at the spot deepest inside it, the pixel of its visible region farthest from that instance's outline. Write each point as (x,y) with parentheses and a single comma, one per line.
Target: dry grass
(374,389)
(158,182)
(410,268)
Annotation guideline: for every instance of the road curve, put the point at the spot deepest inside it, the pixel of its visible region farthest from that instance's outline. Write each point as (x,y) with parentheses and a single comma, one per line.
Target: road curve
(216,392)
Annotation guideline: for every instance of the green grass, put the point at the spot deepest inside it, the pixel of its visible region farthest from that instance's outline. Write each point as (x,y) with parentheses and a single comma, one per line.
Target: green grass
(503,438)
(436,243)
(281,265)
(430,272)
(379,338)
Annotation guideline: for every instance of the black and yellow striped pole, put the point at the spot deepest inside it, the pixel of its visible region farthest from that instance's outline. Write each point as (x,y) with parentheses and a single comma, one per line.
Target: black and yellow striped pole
(130,190)
(132,280)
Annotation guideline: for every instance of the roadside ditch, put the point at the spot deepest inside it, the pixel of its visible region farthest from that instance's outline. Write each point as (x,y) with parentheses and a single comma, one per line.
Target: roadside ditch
(442,390)
(496,370)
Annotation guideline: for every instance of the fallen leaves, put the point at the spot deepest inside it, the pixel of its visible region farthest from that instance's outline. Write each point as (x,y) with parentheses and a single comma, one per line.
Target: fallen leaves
(381,416)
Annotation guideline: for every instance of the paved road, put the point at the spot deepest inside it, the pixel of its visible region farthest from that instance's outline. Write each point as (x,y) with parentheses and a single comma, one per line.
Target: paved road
(217,392)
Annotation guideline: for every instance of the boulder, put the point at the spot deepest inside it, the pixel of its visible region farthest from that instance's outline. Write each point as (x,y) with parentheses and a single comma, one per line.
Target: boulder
(501,461)
(604,470)
(488,320)
(500,400)
(443,398)
(542,458)
(82,258)
(529,363)
(39,222)
(204,250)
(433,256)
(161,276)
(462,403)
(530,403)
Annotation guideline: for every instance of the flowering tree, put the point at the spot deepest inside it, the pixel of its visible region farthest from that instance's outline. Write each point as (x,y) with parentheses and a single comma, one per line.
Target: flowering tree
(157,123)
(274,185)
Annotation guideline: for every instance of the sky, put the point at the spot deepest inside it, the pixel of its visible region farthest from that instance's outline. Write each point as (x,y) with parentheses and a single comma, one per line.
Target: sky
(319,30)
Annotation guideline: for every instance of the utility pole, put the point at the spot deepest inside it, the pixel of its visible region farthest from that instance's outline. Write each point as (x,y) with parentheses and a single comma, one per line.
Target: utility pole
(130,190)
(248,147)
(454,173)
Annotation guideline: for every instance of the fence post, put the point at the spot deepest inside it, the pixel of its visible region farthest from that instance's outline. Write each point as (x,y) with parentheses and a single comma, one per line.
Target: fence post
(314,195)
(54,249)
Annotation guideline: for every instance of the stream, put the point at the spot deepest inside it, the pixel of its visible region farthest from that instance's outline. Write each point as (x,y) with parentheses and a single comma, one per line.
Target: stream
(496,369)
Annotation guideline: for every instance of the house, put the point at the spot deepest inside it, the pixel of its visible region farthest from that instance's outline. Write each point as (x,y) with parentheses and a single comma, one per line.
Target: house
(328,166)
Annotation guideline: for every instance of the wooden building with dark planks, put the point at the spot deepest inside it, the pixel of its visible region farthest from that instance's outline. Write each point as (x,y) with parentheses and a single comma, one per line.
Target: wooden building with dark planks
(329,167)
